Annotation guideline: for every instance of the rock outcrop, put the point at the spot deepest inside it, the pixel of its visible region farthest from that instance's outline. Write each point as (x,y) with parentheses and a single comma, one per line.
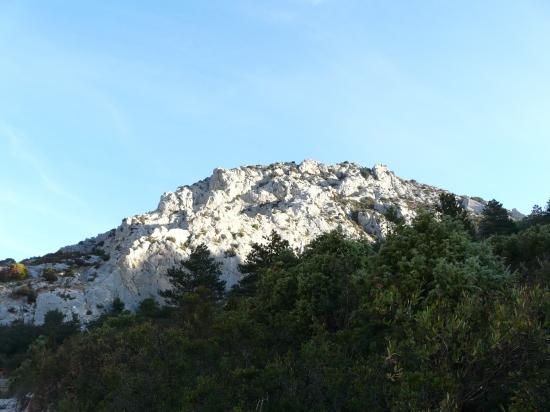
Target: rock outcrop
(228,212)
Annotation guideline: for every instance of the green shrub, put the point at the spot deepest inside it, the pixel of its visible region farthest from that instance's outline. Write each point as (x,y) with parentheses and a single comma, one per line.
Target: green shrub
(17,271)
(392,214)
(367,203)
(101,253)
(117,306)
(25,291)
(49,275)
(57,257)
(428,319)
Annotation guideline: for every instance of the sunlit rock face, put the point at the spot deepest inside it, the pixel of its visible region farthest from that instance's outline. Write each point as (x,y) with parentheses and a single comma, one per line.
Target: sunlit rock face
(228,212)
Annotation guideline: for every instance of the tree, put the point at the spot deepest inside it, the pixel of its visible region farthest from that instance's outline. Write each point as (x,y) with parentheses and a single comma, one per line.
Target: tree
(495,220)
(527,252)
(200,273)
(275,252)
(392,215)
(326,279)
(450,206)
(455,329)
(56,329)
(537,211)
(431,319)
(117,306)
(538,216)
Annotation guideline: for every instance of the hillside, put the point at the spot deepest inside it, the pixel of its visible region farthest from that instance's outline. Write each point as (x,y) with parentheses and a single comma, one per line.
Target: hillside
(228,212)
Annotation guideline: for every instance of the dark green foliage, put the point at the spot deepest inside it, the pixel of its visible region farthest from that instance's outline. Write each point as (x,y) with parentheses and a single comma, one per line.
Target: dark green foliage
(392,214)
(49,275)
(326,280)
(56,329)
(440,304)
(527,252)
(451,207)
(142,382)
(274,253)
(17,338)
(25,291)
(200,274)
(118,306)
(538,216)
(495,221)
(428,320)
(14,342)
(149,308)
(101,253)
(57,257)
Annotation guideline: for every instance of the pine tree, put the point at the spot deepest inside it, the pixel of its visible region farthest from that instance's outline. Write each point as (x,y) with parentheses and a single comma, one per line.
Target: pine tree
(495,220)
(450,206)
(538,216)
(199,273)
(275,251)
(537,211)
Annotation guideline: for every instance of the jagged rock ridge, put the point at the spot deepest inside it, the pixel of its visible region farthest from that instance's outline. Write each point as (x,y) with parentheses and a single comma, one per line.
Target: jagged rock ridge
(228,212)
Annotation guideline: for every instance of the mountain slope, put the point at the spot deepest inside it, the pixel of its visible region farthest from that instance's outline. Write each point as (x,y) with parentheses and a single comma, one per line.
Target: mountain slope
(228,212)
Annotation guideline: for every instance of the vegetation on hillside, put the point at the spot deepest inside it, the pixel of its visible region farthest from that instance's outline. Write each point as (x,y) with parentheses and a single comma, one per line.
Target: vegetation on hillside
(14,272)
(439,316)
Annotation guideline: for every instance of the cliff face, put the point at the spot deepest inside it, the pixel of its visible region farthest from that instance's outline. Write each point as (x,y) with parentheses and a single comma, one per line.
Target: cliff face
(228,212)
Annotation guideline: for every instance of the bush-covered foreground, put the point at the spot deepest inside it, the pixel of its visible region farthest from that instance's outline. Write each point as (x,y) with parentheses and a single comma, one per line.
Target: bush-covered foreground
(430,319)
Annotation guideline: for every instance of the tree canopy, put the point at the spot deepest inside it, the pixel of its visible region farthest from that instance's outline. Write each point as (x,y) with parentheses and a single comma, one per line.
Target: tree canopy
(430,319)
(495,220)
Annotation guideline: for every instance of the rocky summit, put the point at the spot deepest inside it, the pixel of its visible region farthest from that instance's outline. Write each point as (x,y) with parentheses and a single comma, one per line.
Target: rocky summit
(228,212)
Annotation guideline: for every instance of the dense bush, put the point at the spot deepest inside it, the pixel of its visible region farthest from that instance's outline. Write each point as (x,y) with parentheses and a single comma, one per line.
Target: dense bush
(430,319)
(451,207)
(527,252)
(495,220)
(16,271)
(538,216)
(24,291)
(49,275)
(17,338)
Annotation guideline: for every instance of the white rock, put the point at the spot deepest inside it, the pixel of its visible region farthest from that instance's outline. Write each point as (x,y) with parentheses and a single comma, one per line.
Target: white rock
(228,212)
(8,405)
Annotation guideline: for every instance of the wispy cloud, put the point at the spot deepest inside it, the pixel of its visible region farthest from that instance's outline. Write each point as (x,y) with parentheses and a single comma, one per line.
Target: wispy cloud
(20,150)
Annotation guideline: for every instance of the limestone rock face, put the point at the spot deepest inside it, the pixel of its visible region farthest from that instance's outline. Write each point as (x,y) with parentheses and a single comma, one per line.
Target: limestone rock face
(228,212)
(8,405)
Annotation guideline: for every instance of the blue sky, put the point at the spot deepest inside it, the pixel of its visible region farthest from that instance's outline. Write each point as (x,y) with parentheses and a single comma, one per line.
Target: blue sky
(104,105)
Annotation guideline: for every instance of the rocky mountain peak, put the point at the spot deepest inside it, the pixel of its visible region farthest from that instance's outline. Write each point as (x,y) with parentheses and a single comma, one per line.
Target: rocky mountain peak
(227,211)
